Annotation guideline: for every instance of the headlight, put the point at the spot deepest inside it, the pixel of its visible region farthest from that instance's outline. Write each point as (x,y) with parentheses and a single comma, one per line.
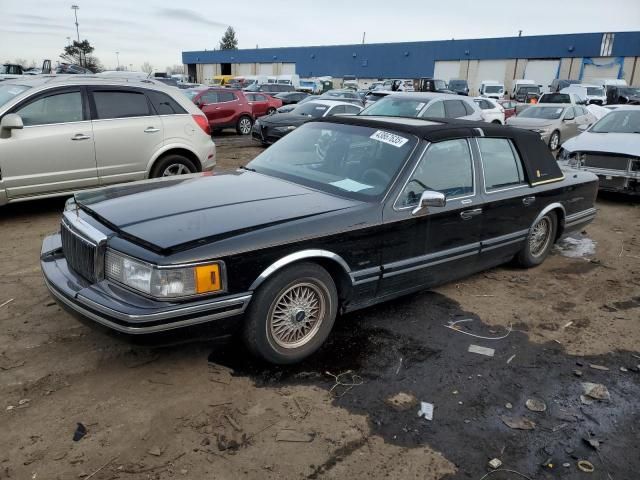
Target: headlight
(163,283)
(285,129)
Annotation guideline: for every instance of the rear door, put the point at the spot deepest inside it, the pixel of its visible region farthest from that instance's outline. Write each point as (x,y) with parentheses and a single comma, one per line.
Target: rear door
(259,103)
(228,107)
(454,109)
(510,206)
(127,132)
(54,151)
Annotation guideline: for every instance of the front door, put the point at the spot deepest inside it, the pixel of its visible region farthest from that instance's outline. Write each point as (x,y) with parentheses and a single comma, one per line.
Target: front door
(127,133)
(438,244)
(569,125)
(510,206)
(54,151)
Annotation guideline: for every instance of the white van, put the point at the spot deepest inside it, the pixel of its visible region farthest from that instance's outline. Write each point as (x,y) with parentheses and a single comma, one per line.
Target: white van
(492,89)
(293,80)
(519,83)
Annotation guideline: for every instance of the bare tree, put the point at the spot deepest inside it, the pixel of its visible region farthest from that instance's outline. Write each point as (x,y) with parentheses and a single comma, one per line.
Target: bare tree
(146,67)
(174,69)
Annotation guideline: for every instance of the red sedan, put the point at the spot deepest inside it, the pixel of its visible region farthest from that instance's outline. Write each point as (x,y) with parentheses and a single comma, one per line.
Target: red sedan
(262,104)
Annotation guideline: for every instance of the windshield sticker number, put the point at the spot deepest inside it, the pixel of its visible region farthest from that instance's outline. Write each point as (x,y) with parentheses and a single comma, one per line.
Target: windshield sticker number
(390,138)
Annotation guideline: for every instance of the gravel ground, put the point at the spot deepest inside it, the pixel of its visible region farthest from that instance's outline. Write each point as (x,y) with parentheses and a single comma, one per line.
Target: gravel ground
(204,409)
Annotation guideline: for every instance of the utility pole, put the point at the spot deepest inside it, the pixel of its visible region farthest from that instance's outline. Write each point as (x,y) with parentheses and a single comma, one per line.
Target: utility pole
(118,60)
(75,9)
(519,33)
(364,35)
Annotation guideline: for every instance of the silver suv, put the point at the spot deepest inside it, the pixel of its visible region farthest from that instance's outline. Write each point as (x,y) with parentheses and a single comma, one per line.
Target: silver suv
(66,133)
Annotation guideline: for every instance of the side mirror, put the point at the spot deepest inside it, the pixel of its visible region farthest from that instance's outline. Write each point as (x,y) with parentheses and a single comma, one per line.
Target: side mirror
(11,121)
(428,199)
(584,127)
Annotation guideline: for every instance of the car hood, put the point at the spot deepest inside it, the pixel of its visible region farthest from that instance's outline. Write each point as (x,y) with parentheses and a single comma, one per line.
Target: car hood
(283,119)
(173,214)
(622,143)
(530,122)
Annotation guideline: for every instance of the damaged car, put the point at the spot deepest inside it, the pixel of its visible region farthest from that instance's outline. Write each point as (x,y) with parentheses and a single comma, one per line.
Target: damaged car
(341,214)
(610,149)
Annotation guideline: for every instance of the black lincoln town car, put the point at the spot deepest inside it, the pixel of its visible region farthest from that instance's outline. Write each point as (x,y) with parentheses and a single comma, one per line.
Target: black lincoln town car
(341,214)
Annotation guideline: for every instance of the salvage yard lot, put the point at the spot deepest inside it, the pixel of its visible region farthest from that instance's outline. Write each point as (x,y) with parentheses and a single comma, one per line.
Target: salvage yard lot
(206,409)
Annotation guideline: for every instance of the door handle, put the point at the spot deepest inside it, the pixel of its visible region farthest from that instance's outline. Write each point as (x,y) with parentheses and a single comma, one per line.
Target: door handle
(528,200)
(217,108)
(151,130)
(80,136)
(467,214)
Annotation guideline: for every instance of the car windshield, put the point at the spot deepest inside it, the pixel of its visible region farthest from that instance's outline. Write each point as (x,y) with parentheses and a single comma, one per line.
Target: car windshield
(338,94)
(457,84)
(311,109)
(555,98)
(492,89)
(304,83)
(528,89)
(549,113)
(348,160)
(595,91)
(254,87)
(396,107)
(618,121)
(9,91)
(217,81)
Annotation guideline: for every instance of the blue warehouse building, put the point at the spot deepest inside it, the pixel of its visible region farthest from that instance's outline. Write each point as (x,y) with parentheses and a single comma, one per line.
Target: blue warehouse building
(542,58)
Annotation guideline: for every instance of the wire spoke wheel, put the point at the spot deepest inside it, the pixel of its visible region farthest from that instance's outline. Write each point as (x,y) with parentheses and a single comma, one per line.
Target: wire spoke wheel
(175,169)
(540,237)
(296,315)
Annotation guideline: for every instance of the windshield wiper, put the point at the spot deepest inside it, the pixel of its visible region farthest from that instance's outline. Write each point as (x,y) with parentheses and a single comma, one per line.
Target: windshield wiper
(247,168)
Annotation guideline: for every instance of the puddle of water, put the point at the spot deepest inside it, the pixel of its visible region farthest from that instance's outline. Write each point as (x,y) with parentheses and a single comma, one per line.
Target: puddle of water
(403,346)
(576,247)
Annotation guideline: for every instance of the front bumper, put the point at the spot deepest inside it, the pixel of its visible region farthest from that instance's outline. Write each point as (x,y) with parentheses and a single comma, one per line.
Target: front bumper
(265,134)
(119,309)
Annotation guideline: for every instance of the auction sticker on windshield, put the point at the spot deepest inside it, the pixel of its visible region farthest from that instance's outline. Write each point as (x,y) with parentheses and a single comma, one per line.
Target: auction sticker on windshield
(390,138)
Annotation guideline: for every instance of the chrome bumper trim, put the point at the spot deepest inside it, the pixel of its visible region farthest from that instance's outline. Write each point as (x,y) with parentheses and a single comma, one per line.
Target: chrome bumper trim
(241,303)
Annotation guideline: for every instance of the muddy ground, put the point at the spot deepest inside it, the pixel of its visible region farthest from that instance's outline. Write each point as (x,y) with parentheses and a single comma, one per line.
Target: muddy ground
(205,410)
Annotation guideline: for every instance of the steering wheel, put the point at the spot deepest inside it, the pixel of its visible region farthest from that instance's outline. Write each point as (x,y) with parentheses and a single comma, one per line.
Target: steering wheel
(374,176)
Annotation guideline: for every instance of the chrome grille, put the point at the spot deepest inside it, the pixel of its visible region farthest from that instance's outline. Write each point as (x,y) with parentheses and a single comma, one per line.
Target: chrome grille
(611,162)
(81,254)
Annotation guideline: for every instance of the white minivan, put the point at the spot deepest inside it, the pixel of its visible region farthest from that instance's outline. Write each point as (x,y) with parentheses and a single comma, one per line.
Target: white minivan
(492,89)
(59,134)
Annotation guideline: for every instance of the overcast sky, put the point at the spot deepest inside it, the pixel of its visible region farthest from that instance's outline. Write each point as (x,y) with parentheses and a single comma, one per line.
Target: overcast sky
(158,31)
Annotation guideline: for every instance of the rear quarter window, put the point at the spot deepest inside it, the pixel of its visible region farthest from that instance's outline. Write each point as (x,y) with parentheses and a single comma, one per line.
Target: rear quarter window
(163,104)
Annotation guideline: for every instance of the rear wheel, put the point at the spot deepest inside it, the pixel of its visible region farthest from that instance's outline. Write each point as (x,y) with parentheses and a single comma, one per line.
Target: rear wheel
(171,165)
(291,314)
(243,126)
(539,241)
(271,111)
(554,141)
(497,121)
